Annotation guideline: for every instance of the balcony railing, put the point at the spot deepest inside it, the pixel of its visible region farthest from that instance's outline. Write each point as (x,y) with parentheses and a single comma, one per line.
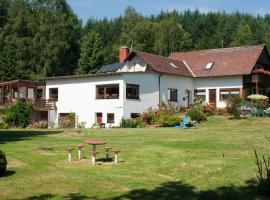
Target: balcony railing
(40,104)
(44,104)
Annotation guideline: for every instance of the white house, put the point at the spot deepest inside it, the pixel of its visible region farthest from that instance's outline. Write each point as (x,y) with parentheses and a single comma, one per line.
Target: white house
(141,80)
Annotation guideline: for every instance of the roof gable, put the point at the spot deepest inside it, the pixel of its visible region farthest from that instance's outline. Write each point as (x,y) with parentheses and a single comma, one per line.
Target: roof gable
(162,64)
(226,61)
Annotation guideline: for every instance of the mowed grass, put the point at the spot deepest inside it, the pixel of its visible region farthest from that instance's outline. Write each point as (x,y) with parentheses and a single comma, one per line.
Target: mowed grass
(212,161)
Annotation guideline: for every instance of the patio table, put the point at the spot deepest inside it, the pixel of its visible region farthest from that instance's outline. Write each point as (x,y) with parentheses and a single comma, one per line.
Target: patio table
(94,144)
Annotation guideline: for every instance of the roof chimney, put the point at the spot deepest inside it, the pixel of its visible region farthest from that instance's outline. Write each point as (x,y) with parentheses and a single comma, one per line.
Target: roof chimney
(123,53)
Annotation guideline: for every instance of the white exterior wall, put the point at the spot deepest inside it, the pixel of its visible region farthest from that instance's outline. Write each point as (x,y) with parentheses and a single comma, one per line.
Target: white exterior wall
(148,87)
(134,65)
(182,84)
(218,83)
(79,96)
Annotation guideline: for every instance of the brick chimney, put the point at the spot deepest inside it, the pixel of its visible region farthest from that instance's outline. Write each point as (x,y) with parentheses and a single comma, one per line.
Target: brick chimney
(123,53)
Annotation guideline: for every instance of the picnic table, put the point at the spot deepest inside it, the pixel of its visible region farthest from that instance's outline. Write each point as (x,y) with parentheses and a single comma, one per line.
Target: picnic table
(94,144)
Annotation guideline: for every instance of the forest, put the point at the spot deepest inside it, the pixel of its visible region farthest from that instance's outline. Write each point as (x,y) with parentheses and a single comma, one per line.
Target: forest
(43,38)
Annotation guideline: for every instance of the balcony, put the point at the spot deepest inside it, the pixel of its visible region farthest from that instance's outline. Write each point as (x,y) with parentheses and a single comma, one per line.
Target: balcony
(32,91)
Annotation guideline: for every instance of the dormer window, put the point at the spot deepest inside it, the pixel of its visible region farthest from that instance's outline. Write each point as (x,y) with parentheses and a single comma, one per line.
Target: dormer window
(209,65)
(173,65)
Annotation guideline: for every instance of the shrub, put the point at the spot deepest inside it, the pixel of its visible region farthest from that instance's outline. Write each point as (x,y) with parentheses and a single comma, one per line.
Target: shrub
(221,111)
(196,114)
(169,121)
(196,110)
(18,115)
(3,163)
(4,125)
(40,124)
(132,123)
(69,121)
(263,173)
(209,109)
(234,104)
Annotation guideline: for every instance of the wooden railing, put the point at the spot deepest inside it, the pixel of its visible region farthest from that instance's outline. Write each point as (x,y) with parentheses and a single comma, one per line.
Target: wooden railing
(44,104)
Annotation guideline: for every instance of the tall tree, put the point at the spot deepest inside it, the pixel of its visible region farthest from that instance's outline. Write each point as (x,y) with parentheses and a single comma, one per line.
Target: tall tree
(40,38)
(171,37)
(243,36)
(91,54)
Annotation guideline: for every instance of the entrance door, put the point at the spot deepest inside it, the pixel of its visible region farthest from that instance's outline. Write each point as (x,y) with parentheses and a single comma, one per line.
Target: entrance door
(212,96)
(99,118)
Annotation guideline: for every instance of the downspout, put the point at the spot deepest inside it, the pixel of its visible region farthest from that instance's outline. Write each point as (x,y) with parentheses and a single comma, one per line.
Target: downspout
(159,88)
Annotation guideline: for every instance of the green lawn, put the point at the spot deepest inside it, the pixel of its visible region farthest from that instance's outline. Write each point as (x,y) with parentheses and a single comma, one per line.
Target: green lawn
(213,161)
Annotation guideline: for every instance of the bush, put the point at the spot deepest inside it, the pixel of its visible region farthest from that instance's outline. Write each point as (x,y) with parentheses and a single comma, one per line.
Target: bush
(263,173)
(209,109)
(69,122)
(18,115)
(221,111)
(132,123)
(3,163)
(4,125)
(196,114)
(169,121)
(40,124)
(234,104)
(196,111)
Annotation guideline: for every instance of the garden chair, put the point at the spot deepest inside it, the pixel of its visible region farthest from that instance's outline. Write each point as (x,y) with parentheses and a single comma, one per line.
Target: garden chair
(267,111)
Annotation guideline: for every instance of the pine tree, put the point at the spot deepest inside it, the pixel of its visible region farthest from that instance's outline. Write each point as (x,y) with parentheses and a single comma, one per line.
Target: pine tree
(91,57)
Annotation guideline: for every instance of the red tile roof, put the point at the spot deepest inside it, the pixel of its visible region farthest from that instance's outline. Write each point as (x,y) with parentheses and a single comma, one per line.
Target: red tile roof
(226,61)
(162,64)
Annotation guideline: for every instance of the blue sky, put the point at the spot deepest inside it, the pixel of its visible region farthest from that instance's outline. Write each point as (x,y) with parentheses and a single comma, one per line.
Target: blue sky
(113,8)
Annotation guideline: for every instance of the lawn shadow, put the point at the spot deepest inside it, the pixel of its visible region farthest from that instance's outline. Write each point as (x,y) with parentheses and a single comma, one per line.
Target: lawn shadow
(41,197)
(71,196)
(8,173)
(179,190)
(12,136)
(77,196)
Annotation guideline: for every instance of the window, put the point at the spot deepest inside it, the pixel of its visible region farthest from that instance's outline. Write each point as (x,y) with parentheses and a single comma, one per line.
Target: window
(225,94)
(134,115)
(200,94)
(30,93)
(173,65)
(172,95)
(132,91)
(39,93)
(110,118)
(107,91)
(209,65)
(53,94)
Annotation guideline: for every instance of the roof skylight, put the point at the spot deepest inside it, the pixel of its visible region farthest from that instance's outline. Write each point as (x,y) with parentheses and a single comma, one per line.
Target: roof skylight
(209,65)
(173,65)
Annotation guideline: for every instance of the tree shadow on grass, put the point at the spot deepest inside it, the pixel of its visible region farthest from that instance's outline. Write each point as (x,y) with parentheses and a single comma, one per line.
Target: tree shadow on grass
(12,136)
(179,190)
(71,196)
(8,173)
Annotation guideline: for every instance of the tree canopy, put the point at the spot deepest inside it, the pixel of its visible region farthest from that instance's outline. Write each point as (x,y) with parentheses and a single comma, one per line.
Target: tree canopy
(40,38)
